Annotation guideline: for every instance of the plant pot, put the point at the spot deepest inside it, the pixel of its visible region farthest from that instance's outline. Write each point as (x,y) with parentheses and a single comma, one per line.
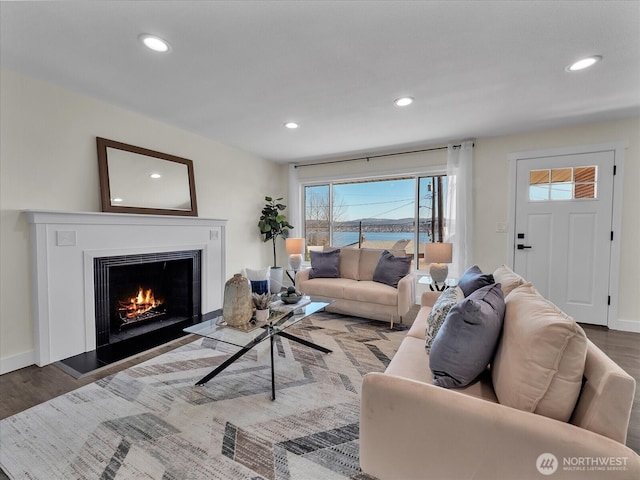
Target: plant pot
(275,279)
(262,315)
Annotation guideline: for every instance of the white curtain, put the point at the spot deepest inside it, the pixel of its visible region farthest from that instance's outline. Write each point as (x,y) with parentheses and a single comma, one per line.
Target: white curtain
(293,203)
(459,211)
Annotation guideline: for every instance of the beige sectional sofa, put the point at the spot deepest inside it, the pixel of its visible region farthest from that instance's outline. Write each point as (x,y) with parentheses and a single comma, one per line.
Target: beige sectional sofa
(412,429)
(355,292)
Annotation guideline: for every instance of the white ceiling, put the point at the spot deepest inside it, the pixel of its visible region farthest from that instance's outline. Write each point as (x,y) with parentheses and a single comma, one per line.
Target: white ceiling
(239,70)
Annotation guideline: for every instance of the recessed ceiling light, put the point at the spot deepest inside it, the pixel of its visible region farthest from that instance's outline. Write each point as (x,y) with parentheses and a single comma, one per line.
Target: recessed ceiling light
(291,125)
(403,101)
(155,43)
(155,175)
(584,63)
(116,200)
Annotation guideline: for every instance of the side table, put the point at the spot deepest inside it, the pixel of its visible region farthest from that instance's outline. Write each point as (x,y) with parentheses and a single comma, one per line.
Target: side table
(435,286)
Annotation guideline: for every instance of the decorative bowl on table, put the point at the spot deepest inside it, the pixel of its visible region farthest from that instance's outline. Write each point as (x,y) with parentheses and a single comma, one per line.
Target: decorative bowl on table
(291,296)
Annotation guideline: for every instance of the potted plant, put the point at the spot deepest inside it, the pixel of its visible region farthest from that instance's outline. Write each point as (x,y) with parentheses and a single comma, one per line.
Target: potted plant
(261,301)
(273,224)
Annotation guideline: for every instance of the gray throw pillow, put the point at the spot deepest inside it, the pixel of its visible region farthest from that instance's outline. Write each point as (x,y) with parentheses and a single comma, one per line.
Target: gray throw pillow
(439,312)
(473,279)
(391,269)
(325,264)
(467,341)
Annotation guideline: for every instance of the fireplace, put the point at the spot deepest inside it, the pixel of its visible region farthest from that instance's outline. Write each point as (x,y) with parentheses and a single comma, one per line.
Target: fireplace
(137,295)
(76,253)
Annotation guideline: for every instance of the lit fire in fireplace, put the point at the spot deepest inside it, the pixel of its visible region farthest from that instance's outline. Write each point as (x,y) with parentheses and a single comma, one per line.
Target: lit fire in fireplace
(141,307)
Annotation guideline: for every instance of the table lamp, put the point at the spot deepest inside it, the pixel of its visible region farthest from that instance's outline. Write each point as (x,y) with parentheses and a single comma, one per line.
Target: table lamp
(295,249)
(438,255)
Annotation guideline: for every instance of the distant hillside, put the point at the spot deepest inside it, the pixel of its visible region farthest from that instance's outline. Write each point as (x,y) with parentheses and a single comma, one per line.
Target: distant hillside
(372,225)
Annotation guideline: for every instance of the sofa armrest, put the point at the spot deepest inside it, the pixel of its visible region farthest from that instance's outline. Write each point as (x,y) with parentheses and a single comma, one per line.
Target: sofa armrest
(409,428)
(428,298)
(406,293)
(302,276)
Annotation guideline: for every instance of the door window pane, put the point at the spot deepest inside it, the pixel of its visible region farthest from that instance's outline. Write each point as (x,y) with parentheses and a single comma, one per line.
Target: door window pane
(567,183)
(561,191)
(561,175)
(585,174)
(538,176)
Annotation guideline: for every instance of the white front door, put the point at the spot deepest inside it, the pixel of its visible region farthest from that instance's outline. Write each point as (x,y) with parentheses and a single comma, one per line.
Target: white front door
(563,230)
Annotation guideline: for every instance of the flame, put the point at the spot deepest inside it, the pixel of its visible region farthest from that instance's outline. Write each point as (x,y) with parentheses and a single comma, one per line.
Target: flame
(141,303)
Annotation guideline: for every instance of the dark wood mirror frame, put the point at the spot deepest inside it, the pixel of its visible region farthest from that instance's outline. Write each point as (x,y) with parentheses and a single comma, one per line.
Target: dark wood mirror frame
(187,184)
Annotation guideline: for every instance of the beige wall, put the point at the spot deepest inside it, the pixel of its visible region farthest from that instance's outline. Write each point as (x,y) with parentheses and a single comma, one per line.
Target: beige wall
(48,161)
(491,172)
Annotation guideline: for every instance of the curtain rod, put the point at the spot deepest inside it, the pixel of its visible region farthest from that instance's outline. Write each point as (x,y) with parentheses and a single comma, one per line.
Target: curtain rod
(369,157)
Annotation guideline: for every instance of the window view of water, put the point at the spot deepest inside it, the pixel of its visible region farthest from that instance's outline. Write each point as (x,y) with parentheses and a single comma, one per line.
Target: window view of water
(341,239)
(383,211)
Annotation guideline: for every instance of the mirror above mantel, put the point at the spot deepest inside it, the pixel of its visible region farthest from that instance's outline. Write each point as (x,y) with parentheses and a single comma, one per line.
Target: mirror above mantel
(138,180)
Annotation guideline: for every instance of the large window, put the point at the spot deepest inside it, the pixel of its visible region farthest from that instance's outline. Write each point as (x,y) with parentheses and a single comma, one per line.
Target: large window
(393,213)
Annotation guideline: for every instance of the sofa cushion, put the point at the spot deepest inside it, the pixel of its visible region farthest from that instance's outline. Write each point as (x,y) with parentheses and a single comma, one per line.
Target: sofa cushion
(325,264)
(411,361)
(371,292)
(391,269)
(473,279)
(439,312)
(368,262)
(508,279)
(540,359)
(467,340)
(349,263)
(326,287)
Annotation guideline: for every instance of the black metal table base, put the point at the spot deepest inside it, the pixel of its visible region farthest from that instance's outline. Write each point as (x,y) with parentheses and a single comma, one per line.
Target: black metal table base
(249,346)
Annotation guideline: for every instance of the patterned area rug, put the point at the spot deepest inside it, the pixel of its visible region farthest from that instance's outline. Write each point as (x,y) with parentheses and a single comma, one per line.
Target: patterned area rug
(151,422)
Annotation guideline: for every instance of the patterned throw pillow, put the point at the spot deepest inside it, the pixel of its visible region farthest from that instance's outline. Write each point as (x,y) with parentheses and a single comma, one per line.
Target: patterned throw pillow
(439,312)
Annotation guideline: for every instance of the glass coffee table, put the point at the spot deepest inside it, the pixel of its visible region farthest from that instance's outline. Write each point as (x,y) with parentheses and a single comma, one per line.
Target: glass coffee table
(281,317)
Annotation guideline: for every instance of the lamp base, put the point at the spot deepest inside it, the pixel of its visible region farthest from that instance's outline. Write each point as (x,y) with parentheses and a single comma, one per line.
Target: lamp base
(439,272)
(295,260)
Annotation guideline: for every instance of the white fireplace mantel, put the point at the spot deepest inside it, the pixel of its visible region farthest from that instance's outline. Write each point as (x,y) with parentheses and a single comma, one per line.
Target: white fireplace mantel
(64,245)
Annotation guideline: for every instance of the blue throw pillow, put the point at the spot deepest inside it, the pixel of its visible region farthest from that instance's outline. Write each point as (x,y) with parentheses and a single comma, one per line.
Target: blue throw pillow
(325,264)
(391,269)
(473,279)
(259,286)
(466,342)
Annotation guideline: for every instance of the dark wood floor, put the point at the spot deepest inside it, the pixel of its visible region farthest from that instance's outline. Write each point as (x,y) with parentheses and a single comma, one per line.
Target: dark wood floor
(32,385)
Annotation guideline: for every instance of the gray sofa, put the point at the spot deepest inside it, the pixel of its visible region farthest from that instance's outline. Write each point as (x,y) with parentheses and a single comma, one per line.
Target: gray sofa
(355,292)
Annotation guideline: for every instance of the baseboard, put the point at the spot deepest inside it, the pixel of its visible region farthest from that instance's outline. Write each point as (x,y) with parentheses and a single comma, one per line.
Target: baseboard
(625,325)
(16,362)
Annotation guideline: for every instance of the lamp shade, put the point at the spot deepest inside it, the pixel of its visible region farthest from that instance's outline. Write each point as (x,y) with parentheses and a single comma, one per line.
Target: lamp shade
(294,246)
(438,252)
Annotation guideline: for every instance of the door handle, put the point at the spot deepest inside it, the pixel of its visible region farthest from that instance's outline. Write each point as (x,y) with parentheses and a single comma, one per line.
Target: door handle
(522,247)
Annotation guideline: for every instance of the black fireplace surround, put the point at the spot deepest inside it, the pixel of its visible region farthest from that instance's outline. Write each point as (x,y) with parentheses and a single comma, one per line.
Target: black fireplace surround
(175,279)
